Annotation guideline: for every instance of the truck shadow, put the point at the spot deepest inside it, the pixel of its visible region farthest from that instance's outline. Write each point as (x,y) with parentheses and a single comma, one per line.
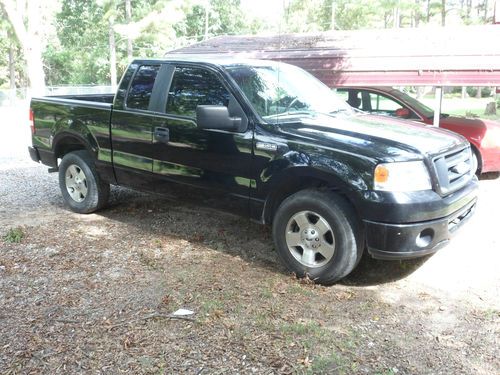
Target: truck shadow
(171,219)
(375,272)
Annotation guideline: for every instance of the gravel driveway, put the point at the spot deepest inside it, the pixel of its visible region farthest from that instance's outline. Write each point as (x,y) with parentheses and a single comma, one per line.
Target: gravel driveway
(95,293)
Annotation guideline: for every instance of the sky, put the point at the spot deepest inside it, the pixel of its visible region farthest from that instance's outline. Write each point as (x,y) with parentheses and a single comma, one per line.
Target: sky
(271,10)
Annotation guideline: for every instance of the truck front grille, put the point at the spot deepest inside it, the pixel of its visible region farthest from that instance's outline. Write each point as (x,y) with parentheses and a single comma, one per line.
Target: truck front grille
(453,170)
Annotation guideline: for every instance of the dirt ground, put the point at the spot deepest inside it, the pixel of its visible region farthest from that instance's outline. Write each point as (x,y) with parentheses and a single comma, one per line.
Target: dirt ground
(95,293)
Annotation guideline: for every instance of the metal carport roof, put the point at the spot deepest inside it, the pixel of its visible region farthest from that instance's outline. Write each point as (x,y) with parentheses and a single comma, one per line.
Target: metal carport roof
(437,56)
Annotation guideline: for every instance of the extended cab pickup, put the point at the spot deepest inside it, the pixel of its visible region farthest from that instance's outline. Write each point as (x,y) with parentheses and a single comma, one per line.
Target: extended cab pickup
(268,141)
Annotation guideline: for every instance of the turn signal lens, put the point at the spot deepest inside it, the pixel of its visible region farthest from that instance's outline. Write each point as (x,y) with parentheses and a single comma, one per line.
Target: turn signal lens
(381,174)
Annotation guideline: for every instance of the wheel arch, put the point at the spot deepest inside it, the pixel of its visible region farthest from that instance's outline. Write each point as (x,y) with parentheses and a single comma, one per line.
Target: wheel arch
(66,142)
(479,157)
(300,178)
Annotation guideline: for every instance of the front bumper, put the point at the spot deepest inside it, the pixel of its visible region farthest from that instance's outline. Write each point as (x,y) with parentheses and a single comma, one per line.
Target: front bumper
(412,240)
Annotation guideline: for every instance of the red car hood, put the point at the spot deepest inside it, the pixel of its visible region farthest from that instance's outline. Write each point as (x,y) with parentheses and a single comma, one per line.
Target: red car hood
(472,128)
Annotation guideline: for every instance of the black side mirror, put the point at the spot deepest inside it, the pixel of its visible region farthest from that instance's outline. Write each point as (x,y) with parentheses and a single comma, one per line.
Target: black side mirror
(216,117)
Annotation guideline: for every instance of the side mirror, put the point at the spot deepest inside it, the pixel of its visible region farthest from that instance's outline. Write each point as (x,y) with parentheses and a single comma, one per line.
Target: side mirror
(402,112)
(216,117)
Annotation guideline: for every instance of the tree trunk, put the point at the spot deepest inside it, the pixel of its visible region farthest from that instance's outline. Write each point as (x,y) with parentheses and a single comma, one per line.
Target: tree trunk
(428,10)
(332,19)
(128,19)
(464,91)
(30,41)
(485,11)
(416,14)
(478,93)
(206,20)
(12,70)
(112,52)
(396,17)
(443,12)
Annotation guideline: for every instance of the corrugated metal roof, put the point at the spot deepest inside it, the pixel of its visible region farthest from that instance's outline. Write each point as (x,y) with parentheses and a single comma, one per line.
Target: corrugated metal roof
(425,56)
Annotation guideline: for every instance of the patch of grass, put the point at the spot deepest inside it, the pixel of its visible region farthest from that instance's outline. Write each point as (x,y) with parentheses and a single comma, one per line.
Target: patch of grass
(14,235)
(266,293)
(388,371)
(211,305)
(149,261)
(300,329)
(300,289)
(331,363)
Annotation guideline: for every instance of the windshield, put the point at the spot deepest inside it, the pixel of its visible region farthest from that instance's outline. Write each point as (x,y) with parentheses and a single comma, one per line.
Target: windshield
(279,91)
(412,102)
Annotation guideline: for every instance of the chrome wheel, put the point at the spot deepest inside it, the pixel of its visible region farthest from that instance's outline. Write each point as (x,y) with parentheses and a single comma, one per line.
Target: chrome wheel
(310,239)
(76,183)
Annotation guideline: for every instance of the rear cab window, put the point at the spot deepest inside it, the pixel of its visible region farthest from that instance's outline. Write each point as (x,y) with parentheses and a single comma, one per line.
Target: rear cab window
(141,87)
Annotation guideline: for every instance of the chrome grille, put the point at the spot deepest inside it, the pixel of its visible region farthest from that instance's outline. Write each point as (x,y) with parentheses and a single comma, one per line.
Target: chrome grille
(453,170)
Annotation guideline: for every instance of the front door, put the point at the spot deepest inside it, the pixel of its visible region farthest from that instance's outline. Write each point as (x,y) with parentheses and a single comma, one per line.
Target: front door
(209,165)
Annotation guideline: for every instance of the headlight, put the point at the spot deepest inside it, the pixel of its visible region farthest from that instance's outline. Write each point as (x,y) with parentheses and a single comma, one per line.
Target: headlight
(402,176)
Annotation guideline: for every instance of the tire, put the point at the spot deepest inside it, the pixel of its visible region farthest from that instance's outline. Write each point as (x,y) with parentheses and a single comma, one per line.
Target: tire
(81,187)
(475,162)
(317,234)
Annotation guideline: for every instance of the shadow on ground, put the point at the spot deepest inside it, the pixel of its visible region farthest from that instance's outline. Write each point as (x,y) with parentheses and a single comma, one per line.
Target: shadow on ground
(183,219)
(375,272)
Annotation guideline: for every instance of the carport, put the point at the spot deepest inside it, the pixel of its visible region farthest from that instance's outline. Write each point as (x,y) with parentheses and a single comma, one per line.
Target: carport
(451,56)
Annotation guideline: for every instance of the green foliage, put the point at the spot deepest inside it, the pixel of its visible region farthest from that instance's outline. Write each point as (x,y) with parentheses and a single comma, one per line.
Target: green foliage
(76,47)
(82,54)
(14,235)
(225,17)
(485,91)
(8,41)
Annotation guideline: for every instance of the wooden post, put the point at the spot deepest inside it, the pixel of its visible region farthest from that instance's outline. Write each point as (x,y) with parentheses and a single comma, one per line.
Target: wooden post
(437,106)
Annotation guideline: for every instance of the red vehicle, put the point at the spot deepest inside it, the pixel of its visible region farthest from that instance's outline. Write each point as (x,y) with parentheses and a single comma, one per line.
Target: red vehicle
(484,135)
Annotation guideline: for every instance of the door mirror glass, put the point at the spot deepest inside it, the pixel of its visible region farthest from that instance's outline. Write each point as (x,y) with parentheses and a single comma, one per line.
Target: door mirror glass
(216,117)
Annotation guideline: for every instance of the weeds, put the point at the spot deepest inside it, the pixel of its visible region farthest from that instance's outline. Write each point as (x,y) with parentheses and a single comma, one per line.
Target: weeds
(14,235)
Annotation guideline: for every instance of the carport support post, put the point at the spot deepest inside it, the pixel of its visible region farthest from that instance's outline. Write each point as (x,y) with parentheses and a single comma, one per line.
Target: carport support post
(437,106)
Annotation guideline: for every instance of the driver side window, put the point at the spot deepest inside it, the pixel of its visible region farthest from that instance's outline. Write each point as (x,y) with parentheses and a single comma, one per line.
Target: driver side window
(384,105)
(381,103)
(192,87)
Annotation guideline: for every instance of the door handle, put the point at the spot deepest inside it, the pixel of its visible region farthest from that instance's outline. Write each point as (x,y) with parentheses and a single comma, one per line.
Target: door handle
(162,134)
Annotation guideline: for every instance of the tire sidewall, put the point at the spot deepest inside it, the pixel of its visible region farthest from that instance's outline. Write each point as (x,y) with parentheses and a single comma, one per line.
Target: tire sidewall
(91,201)
(346,253)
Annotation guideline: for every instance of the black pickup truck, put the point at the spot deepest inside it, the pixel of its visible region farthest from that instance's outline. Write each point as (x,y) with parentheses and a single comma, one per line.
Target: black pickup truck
(268,141)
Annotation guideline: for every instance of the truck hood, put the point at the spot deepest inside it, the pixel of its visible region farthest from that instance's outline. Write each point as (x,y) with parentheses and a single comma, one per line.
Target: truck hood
(381,137)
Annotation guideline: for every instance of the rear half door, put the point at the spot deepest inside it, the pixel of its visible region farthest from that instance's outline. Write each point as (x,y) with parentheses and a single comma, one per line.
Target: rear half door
(132,127)
(209,165)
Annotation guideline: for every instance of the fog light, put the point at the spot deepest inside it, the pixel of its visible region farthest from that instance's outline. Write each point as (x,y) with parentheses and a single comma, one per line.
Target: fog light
(425,237)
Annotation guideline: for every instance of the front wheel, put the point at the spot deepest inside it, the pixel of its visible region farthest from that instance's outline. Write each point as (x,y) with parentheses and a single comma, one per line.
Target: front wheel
(317,234)
(81,186)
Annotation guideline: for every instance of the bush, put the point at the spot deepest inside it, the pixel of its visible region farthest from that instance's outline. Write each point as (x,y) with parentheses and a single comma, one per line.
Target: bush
(485,91)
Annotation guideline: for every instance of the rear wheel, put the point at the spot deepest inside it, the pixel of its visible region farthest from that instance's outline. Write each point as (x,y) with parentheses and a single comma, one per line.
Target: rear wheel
(317,234)
(81,186)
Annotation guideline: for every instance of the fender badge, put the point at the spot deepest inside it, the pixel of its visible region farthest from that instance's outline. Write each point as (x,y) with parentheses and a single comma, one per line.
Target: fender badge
(266,146)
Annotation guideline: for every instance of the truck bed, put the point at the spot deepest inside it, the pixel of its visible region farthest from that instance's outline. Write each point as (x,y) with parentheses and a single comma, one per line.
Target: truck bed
(71,116)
